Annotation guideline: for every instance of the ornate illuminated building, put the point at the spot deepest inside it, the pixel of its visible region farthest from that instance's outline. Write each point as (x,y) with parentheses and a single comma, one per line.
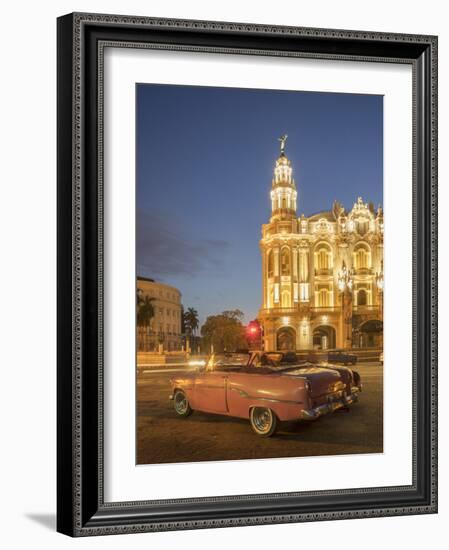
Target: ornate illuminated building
(322,274)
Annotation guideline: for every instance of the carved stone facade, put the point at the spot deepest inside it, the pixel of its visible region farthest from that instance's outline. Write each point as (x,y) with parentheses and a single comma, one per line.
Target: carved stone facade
(322,274)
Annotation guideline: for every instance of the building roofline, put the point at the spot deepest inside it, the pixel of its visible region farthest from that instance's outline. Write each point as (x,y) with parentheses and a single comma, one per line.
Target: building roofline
(149,280)
(139,278)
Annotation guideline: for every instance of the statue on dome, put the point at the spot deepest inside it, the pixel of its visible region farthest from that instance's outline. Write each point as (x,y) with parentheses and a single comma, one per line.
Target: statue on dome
(283,139)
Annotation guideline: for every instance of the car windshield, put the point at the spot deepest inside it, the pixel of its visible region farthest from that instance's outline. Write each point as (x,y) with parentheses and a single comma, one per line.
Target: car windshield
(222,361)
(275,361)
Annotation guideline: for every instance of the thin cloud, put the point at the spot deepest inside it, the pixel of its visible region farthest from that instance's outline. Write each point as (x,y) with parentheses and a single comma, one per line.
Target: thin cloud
(165,249)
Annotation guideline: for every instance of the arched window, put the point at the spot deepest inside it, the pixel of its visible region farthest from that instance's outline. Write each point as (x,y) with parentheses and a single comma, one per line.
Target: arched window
(285,262)
(362,298)
(323,298)
(286,298)
(362,257)
(270,262)
(323,257)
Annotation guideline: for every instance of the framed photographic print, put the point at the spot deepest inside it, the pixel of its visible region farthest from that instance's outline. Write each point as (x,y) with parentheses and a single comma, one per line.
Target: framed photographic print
(247,288)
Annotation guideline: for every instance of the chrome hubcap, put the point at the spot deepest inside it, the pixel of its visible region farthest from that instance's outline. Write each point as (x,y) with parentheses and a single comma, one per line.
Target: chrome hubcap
(180,403)
(262,419)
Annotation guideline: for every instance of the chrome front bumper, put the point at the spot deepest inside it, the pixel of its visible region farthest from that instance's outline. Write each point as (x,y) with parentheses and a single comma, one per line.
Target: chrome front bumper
(336,401)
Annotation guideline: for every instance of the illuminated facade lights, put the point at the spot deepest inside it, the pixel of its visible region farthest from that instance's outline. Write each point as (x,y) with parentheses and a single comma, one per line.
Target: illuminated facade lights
(321,273)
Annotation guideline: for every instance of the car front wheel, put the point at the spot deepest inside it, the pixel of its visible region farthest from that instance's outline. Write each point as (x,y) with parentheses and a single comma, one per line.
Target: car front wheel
(181,403)
(263,421)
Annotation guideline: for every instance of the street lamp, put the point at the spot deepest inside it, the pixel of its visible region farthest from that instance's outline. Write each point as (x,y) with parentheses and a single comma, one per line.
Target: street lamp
(345,278)
(380,288)
(345,284)
(380,280)
(161,340)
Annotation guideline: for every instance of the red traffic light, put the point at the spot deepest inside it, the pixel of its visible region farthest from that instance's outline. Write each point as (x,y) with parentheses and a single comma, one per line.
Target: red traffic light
(253,329)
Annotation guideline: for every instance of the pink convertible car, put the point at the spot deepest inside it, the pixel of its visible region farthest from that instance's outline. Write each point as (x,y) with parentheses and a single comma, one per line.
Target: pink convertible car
(266,388)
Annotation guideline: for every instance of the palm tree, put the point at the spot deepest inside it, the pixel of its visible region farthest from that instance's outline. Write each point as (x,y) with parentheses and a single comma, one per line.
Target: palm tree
(145,311)
(191,321)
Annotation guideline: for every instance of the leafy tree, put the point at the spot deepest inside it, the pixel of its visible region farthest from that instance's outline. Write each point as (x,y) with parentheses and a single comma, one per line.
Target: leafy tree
(225,331)
(235,314)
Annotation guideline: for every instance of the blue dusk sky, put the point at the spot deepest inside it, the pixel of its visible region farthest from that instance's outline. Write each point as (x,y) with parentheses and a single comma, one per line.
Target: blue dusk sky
(205,159)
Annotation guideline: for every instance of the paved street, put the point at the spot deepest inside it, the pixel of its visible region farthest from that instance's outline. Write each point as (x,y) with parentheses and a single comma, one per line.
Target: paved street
(163,437)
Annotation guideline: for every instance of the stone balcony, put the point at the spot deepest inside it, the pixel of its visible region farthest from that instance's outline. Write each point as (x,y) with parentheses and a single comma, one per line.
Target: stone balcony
(328,272)
(363,271)
(364,308)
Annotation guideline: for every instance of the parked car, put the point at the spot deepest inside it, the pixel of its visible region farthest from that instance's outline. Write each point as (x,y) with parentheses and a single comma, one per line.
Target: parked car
(266,388)
(341,356)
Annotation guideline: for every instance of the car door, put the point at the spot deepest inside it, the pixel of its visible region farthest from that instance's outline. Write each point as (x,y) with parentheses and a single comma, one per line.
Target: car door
(210,391)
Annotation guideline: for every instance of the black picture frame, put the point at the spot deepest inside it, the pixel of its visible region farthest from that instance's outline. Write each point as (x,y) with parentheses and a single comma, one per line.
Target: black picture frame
(81,509)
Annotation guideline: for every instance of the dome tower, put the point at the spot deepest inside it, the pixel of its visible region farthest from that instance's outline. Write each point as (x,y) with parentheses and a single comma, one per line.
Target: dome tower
(283,188)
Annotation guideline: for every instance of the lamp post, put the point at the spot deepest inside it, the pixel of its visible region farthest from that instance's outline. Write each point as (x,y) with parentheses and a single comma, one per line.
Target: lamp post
(161,340)
(345,284)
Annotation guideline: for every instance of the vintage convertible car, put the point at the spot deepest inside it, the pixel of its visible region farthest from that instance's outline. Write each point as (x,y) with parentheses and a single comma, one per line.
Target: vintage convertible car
(266,387)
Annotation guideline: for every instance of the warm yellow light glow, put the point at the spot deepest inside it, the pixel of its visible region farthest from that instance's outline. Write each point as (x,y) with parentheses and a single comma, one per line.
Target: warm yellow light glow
(313,264)
(197,363)
(380,281)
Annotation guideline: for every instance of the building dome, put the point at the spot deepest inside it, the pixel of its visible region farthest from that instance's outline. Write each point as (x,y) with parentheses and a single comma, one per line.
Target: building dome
(283,187)
(283,173)
(283,160)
